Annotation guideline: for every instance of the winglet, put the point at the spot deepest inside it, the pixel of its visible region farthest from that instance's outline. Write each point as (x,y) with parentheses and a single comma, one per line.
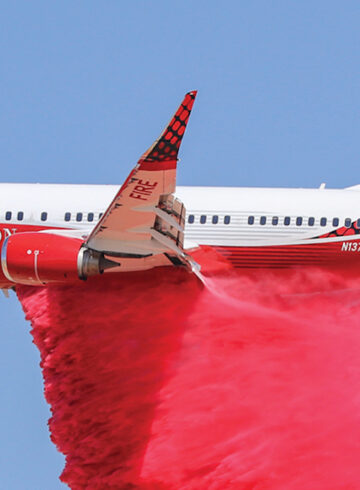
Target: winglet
(166,147)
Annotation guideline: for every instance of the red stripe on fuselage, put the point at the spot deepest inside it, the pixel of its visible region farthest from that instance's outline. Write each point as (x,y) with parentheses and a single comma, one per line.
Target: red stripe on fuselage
(345,252)
(333,253)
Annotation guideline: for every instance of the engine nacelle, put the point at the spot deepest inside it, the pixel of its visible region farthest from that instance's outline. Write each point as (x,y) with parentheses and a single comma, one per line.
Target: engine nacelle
(41,258)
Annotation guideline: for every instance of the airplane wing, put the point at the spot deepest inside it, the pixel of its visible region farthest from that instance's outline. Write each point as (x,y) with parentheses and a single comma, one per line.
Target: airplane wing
(144,219)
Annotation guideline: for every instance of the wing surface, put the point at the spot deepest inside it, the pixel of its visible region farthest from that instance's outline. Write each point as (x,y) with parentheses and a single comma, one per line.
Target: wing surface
(144,218)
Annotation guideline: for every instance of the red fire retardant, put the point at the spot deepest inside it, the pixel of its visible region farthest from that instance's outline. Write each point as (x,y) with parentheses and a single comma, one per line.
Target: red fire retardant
(156,382)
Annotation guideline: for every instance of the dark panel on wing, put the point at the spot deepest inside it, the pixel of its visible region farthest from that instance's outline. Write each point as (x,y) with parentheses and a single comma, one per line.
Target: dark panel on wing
(168,144)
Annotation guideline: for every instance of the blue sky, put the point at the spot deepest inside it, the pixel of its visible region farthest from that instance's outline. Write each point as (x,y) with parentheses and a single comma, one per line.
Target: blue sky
(87,86)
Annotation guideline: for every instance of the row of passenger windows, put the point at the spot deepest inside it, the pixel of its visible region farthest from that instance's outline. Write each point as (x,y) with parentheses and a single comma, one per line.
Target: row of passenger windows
(214,219)
(44,216)
(299,221)
(20,216)
(275,220)
(81,217)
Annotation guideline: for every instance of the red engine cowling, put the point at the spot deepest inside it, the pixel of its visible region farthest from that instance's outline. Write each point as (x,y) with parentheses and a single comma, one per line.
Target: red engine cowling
(42,258)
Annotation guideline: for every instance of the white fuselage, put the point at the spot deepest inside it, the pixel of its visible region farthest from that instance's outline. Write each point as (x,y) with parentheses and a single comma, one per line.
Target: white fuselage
(237,203)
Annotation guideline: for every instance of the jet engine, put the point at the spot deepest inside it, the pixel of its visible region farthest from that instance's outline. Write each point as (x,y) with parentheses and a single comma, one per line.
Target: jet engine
(42,258)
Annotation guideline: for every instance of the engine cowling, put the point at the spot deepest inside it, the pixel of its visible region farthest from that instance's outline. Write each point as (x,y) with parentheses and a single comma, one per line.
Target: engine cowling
(41,258)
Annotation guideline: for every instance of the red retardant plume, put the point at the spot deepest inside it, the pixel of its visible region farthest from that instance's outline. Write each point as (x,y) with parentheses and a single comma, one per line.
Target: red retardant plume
(157,382)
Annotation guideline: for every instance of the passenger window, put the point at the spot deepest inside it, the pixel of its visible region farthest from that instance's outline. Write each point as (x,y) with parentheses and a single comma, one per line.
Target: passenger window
(191,218)
(299,221)
(335,222)
(311,221)
(67,217)
(251,220)
(43,216)
(358,223)
(287,220)
(275,220)
(8,215)
(263,220)
(20,216)
(90,217)
(323,221)
(203,219)
(226,220)
(79,216)
(348,222)
(215,220)
(100,215)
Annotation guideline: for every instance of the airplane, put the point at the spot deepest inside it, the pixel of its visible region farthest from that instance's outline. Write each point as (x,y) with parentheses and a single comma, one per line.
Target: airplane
(52,233)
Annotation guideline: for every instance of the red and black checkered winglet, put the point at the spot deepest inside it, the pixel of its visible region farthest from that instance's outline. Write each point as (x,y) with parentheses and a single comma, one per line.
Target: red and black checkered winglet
(166,147)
